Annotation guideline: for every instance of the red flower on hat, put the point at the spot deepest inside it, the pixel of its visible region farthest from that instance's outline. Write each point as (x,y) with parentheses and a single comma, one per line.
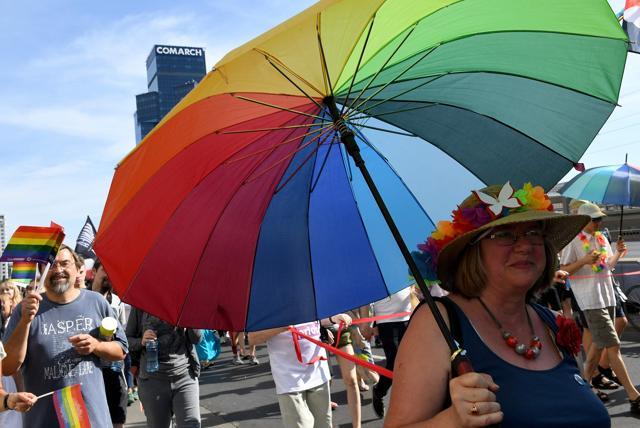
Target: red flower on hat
(568,335)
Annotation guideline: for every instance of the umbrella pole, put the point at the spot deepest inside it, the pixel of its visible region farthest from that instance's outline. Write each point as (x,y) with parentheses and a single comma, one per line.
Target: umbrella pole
(460,363)
(621,217)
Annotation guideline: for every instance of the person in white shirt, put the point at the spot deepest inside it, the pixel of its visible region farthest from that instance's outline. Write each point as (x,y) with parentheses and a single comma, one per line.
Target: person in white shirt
(391,331)
(302,388)
(590,258)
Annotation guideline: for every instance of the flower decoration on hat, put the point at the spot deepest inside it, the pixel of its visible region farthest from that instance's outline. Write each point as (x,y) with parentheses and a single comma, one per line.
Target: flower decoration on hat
(505,200)
(476,211)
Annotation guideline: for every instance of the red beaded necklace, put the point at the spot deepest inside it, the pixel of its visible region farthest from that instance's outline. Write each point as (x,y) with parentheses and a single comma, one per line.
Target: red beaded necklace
(532,351)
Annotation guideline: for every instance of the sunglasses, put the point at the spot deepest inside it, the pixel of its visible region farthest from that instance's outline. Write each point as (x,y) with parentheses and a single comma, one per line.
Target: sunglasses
(596,220)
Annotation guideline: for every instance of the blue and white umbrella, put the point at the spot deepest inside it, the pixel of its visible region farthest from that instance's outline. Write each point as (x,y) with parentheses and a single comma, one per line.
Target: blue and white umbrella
(614,185)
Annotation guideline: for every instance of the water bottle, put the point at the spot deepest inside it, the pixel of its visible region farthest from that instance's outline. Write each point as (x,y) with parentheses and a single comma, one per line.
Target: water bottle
(116,366)
(152,356)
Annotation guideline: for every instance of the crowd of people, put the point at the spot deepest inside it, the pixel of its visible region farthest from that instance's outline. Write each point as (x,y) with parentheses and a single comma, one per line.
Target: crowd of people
(513,276)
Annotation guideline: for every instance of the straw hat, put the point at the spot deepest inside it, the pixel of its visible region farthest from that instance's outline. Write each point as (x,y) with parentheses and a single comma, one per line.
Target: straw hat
(485,209)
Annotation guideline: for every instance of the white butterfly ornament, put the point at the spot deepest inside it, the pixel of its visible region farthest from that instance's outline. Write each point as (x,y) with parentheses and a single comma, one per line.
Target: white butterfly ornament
(505,199)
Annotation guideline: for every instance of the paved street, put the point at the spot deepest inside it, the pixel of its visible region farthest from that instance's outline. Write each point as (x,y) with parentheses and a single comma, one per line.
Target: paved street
(244,396)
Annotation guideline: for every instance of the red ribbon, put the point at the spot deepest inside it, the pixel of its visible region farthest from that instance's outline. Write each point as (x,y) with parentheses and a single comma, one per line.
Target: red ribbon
(295,333)
(604,275)
(368,320)
(380,317)
(296,345)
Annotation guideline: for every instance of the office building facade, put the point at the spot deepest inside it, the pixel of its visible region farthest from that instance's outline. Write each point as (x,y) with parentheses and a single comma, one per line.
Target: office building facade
(172,71)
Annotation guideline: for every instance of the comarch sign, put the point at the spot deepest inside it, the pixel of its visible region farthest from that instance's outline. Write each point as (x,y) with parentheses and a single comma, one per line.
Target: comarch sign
(174,50)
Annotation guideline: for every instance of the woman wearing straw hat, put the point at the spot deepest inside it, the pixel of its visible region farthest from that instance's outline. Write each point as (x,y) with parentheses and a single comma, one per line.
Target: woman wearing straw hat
(493,257)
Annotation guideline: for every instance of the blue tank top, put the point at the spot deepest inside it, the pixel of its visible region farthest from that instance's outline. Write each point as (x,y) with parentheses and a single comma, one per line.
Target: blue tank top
(558,397)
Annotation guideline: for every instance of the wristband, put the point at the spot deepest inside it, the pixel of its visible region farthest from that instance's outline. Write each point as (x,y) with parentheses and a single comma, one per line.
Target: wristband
(5,403)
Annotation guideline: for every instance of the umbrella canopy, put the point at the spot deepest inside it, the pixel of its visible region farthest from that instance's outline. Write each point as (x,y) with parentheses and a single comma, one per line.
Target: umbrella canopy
(242,210)
(613,185)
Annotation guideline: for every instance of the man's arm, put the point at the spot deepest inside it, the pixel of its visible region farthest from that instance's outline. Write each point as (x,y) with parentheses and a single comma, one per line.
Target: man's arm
(85,344)
(258,337)
(114,350)
(16,348)
(18,331)
(583,261)
(621,249)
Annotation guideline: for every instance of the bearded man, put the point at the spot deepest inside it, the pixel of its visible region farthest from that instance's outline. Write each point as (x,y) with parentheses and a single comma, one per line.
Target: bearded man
(53,338)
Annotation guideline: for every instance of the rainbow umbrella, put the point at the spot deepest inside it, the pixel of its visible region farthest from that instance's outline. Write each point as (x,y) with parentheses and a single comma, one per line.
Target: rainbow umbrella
(613,185)
(258,201)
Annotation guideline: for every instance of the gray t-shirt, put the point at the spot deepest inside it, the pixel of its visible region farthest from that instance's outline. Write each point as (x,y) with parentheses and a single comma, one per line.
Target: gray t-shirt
(51,363)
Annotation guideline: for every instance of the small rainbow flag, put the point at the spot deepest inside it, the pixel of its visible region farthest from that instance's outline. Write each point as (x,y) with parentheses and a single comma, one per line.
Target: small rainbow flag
(33,244)
(70,407)
(23,272)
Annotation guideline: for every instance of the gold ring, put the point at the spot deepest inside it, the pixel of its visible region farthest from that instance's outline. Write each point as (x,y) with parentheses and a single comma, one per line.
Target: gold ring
(474,409)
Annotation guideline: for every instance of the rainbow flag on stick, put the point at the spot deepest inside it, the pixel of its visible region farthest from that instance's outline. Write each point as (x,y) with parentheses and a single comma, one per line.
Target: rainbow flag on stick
(70,407)
(22,273)
(33,244)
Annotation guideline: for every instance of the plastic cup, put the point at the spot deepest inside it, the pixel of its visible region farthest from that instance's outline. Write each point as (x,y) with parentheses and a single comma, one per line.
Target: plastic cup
(108,327)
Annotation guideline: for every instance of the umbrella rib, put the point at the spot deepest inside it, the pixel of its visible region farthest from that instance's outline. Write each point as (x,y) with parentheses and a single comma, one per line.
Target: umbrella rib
(402,110)
(277,128)
(292,82)
(423,56)
(504,73)
(324,162)
(388,130)
(365,110)
(370,82)
(277,107)
(283,65)
(353,78)
(305,145)
(290,140)
(489,118)
(313,152)
(308,230)
(325,68)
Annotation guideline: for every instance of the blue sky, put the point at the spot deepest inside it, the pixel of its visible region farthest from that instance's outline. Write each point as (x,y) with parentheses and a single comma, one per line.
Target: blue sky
(70,71)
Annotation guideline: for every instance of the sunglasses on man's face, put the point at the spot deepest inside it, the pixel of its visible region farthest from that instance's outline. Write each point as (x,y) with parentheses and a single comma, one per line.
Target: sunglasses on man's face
(596,220)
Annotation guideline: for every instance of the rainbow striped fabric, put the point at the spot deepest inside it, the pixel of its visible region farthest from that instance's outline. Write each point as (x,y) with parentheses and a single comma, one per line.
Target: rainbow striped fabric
(33,244)
(23,272)
(70,407)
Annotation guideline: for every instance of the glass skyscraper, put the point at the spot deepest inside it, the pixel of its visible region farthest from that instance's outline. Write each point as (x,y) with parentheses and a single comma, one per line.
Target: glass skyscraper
(172,71)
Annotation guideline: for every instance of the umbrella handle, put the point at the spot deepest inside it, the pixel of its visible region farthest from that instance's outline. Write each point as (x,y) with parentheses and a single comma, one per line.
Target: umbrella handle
(460,364)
